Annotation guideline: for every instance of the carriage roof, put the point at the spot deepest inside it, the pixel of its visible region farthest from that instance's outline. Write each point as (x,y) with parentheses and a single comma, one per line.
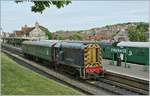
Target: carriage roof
(134,44)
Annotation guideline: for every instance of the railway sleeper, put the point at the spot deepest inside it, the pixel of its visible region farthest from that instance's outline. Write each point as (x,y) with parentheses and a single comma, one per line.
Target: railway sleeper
(128,81)
(124,86)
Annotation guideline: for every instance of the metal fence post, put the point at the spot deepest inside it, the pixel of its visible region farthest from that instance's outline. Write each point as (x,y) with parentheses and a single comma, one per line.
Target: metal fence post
(113,60)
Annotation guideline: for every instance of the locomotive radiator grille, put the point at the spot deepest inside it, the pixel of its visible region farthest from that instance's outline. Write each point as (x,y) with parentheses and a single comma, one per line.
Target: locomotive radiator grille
(92,55)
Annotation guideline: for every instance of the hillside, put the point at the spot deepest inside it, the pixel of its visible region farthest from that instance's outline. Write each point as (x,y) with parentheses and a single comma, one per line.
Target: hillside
(108,31)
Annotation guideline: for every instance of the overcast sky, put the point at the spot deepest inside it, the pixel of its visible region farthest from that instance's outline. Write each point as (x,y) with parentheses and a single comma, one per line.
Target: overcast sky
(78,15)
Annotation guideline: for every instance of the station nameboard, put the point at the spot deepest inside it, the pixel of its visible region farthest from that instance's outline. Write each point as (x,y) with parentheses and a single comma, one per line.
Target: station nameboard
(119,50)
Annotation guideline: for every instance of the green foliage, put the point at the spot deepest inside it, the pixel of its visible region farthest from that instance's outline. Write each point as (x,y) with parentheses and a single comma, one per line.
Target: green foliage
(40,6)
(115,33)
(48,33)
(138,32)
(76,36)
(18,80)
(93,33)
(60,37)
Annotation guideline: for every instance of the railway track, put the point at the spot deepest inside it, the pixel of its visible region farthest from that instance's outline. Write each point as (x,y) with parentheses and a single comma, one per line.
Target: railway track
(76,84)
(122,85)
(112,83)
(127,82)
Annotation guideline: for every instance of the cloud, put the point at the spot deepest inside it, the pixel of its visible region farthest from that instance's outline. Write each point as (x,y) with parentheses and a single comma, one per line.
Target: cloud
(78,15)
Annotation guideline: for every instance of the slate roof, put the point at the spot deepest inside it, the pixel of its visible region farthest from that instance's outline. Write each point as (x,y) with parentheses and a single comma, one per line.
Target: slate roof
(24,31)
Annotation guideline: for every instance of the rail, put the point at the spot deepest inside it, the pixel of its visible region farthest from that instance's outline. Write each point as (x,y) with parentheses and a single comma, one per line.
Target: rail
(115,83)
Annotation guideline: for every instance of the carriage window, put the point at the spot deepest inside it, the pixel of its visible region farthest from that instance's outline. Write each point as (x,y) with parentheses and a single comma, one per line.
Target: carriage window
(139,51)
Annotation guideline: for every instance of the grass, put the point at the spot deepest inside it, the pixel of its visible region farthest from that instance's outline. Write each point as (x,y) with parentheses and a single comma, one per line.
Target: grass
(17,80)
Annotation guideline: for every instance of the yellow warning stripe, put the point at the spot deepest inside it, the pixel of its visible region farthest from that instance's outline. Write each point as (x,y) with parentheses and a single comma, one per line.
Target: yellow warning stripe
(85,56)
(90,55)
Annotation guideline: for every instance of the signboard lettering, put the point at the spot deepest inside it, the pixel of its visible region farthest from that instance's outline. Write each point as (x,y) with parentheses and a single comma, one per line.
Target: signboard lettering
(119,50)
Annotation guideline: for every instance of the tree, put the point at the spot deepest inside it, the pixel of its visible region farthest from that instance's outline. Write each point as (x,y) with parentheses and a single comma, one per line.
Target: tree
(76,36)
(138,32)
(61,37)
(40,6)
(48,33)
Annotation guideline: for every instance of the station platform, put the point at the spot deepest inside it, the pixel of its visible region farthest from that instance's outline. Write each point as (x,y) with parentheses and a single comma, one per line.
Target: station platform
(11,46)
(132,70)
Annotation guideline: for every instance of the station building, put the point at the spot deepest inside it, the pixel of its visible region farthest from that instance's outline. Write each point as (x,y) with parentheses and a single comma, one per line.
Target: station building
(36,32)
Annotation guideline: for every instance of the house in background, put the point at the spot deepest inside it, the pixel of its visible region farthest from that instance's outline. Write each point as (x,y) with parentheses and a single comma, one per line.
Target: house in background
(95,37)
(36,32)
(5,34)
(122,35)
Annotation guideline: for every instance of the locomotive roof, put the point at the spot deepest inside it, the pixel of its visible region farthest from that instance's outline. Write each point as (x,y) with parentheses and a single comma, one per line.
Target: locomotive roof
(47,43)
(70,45)
(135,44)
(85,42)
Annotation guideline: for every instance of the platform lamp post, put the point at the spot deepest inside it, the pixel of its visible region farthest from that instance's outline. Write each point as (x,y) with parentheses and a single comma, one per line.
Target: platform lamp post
(113,62)
(1,33)
(94,34)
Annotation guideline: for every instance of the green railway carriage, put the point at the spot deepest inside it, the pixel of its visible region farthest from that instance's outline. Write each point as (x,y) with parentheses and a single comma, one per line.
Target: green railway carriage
(106,49)
(15,41)
(39,49)
(106,54)
(138,52)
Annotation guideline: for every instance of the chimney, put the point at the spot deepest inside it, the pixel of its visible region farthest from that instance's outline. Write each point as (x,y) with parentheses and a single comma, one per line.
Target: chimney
(25,26)
(21,28)
(36,24)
